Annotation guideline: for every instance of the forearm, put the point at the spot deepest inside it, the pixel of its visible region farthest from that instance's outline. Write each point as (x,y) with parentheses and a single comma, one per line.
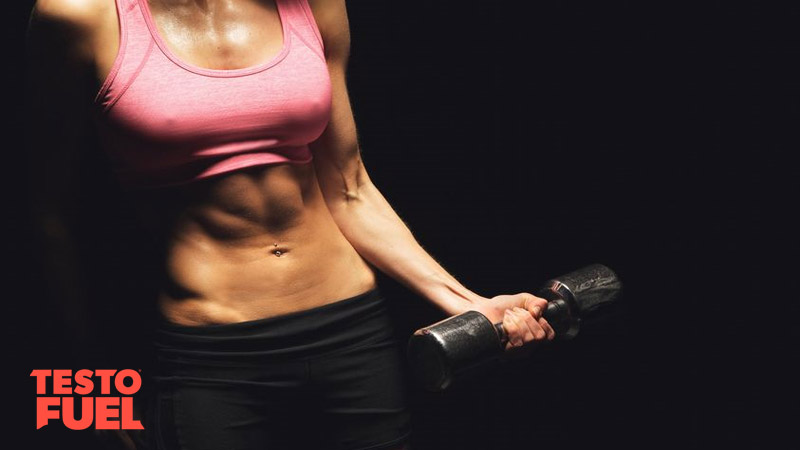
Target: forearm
(380,236)
(362,213)
(368,221)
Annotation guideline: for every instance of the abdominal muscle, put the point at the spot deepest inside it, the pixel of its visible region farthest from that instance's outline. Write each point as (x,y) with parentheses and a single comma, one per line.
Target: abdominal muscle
(217,237)
(251,244)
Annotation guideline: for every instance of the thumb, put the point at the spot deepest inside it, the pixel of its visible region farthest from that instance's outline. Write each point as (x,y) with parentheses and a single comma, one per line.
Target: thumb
(534,305)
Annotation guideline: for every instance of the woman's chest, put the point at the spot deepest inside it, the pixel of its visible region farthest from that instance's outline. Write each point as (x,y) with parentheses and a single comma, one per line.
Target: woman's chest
(165,103)
(219,36)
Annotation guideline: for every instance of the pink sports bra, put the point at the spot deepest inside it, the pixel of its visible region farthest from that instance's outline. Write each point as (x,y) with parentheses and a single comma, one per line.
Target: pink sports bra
(162,121)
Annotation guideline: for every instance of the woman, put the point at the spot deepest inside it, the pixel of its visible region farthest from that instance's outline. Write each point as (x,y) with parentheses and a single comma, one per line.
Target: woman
(229,125)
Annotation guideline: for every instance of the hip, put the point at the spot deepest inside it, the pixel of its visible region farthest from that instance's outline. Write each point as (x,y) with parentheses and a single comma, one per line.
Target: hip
(300,336)
(336,368)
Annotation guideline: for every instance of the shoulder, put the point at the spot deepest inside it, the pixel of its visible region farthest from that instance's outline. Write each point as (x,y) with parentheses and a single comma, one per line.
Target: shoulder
(72,13)
(68,24)
(331,19)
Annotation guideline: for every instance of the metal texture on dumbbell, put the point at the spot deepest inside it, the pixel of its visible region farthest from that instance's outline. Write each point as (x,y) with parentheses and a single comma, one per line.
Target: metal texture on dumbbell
(439,352)
(588,289)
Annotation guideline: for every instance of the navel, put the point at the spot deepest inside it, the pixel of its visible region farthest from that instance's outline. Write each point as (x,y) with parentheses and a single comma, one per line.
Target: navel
(277,251)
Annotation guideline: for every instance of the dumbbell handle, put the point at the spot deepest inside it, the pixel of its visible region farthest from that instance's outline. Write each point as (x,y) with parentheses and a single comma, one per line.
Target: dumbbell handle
(555,311)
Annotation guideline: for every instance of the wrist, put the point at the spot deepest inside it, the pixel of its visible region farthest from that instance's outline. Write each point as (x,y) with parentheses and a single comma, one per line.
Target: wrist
(451,297)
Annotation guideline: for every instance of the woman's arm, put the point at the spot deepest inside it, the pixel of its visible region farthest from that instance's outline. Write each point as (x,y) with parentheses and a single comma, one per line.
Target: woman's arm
(369,222)
(365,217)
(59,75)
(58,63)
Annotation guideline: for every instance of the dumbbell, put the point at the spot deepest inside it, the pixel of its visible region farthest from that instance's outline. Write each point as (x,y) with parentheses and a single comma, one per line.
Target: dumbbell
(439,352)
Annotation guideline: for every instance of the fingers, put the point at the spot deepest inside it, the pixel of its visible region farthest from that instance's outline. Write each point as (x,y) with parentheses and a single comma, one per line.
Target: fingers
(549,331)
(517,329)
(523,319)
(524,300)
(534,329)
(522,328)
(535,305)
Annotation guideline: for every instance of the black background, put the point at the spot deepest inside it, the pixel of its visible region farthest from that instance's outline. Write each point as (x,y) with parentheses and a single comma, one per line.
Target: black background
(519,143)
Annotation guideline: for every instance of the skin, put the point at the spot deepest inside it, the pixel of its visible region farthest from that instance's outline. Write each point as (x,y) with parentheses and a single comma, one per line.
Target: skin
(257,242)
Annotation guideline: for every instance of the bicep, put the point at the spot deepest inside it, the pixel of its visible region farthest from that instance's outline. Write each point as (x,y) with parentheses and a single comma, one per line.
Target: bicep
(337,154)
(58,71)
(59,60)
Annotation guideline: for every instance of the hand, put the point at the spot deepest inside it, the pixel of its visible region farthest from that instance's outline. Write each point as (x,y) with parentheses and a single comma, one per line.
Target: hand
(521,315)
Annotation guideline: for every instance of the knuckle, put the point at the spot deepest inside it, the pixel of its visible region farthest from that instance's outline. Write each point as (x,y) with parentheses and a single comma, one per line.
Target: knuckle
(509,325)
(515,340)
(524,313)
(530,337)
(517,336)
(534,301)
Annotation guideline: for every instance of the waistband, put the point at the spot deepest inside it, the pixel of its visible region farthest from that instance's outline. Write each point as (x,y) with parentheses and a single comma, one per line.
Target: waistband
(302,334)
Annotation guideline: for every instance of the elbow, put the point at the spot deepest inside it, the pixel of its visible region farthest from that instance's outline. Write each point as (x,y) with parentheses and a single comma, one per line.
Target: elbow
(344,200)
(345,188)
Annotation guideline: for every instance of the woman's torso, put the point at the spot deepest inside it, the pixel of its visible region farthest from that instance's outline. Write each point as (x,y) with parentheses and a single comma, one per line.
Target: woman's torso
(250,243)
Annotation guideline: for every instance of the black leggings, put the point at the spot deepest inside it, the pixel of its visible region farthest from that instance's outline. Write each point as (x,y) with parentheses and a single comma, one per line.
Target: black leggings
(329,377)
